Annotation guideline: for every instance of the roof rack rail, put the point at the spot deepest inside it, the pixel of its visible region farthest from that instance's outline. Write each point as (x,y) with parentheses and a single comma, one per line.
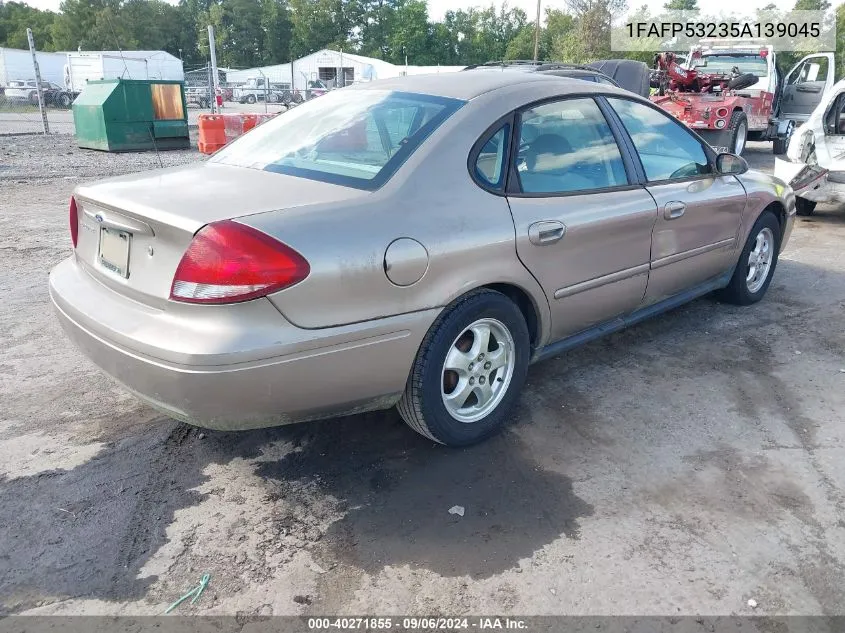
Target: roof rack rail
(540,65)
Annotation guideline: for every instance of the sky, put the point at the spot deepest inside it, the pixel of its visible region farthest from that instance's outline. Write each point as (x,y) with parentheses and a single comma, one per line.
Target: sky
(437,8)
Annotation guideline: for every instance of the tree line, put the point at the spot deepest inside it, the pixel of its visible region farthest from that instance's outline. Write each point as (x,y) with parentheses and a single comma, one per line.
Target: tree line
(262,32)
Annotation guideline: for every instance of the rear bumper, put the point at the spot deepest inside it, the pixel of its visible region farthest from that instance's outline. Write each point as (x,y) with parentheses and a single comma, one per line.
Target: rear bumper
(811,181)
(239,366)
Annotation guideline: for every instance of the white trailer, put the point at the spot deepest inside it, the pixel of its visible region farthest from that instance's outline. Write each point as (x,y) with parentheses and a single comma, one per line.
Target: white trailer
(82,67)
(16,64)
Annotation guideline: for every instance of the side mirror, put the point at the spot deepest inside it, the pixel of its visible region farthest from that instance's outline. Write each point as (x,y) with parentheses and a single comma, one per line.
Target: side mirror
(731,164)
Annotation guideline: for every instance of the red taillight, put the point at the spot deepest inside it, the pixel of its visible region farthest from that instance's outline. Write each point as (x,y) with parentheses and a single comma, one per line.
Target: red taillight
(228,262)
(722,113)
(74,222)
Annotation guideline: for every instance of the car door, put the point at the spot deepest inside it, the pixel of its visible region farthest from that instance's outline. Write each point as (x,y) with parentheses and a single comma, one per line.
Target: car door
(805,85)
(830,150)
(699,211)
(583,225)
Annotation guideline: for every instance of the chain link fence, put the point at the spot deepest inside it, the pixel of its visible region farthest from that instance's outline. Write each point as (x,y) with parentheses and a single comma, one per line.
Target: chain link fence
(267,89)
(21,80)
(241,90)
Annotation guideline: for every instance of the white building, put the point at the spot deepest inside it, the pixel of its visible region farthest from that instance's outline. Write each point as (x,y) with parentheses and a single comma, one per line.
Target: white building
(326,66)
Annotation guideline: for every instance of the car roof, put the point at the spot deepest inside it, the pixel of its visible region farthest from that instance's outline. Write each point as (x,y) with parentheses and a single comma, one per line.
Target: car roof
(468,85)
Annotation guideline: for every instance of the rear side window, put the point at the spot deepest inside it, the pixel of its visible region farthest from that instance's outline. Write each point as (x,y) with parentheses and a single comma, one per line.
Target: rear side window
(567,146)
(667,150)
(356,138)
(490,164)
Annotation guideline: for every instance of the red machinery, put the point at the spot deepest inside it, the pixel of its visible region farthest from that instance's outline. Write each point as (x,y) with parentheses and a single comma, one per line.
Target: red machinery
(723,105)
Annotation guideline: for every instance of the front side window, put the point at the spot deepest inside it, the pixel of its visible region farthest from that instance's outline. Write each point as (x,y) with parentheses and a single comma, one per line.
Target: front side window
(667,150)
(724,64)
(567,146)
(356,138)
(835,117)
(813,69)
(490,164)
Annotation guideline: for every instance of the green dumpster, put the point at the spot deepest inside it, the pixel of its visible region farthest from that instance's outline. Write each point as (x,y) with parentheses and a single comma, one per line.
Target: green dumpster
(131,115)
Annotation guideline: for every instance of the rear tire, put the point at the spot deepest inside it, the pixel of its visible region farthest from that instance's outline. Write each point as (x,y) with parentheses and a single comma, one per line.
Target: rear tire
(779,146)
(738,132)
(757,262)
(465,405)
(250,99)
(804,207)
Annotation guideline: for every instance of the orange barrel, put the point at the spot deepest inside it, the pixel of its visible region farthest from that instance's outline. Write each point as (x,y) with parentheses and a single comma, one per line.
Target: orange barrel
(212,131)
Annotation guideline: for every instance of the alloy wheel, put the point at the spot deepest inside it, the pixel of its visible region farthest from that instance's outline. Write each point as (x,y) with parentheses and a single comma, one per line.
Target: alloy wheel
(760,260)
(478,370)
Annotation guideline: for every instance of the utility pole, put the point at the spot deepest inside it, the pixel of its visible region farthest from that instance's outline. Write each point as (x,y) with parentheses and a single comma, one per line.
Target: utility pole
(214,77)
(211,97)
(41,107)
(537,34)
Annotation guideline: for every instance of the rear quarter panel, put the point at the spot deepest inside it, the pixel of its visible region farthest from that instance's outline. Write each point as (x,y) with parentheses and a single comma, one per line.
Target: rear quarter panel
(765,191)
(467,232)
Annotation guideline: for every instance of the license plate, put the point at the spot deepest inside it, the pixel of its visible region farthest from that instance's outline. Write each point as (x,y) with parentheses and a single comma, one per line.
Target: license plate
(114,251)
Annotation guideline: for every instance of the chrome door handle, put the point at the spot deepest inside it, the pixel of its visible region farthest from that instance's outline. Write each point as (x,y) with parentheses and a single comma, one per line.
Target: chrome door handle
(546,232)
(674,210)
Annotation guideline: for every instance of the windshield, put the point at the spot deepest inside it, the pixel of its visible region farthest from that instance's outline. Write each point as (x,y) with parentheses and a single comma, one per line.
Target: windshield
(723,64)
(357,138)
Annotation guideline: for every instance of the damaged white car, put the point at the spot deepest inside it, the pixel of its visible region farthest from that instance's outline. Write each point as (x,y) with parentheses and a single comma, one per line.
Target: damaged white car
(815,160)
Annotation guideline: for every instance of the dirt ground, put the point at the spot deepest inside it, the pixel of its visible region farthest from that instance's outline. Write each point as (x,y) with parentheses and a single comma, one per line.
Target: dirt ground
(684,466)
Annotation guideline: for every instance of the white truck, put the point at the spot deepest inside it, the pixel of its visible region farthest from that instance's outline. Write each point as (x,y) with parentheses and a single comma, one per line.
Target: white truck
(259,89)
(81,67)
(16,65)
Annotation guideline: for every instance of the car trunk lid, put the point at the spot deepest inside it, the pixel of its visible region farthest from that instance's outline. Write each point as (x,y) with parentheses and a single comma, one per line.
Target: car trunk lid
(133,230)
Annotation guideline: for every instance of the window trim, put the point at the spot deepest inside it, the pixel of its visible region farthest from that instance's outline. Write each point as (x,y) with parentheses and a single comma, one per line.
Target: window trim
(475,151)
(709,152)
(514,186)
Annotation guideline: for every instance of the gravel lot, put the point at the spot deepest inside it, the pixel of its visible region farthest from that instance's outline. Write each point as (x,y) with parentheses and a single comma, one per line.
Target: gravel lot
(684,466)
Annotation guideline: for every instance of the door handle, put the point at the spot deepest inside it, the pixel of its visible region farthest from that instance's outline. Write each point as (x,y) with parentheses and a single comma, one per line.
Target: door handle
(546,232)
(674,210)
(809,88)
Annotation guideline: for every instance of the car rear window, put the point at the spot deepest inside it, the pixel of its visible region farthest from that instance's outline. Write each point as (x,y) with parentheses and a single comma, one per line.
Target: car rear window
(724,64)
(356,138)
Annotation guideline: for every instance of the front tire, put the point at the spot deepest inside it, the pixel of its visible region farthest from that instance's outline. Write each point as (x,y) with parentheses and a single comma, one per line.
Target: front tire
(469,370)
(757,263)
